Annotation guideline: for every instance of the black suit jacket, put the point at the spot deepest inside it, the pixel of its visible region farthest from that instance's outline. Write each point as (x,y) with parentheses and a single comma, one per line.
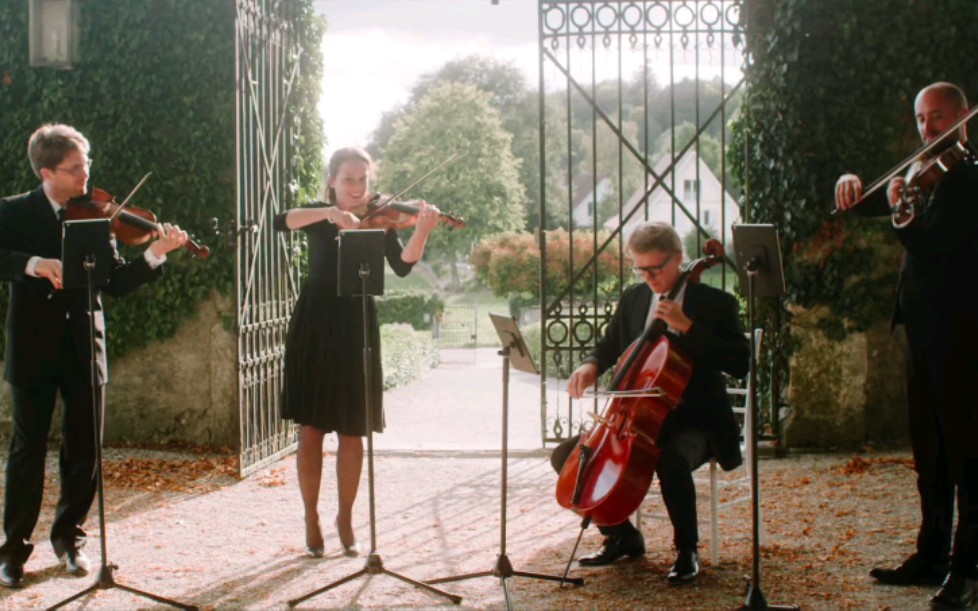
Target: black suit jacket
(716,344)
(38,318)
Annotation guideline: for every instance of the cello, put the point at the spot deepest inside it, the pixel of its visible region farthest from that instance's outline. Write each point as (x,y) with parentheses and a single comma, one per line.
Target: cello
(609,472)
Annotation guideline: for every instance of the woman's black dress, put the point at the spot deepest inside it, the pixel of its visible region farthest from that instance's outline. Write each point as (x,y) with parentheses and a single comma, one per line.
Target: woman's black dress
(323,384)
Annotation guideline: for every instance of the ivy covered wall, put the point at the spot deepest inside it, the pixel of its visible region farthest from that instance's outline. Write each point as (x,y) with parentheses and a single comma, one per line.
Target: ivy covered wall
(831,90)
(154,92)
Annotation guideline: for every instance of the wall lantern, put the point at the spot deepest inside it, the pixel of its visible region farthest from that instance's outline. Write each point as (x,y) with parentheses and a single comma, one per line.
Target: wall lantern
(54,33)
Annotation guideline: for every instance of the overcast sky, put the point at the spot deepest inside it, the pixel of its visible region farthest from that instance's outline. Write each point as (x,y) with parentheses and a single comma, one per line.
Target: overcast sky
(374,51)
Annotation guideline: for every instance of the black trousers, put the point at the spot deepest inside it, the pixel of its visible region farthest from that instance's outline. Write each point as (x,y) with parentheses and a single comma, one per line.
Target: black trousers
(33,409)
(683,452)
(943,406)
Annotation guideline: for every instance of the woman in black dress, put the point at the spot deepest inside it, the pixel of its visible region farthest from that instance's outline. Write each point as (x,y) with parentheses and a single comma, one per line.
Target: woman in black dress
(323,351)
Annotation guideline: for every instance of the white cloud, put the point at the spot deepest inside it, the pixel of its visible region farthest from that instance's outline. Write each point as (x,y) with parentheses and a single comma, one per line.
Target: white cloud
(374,51)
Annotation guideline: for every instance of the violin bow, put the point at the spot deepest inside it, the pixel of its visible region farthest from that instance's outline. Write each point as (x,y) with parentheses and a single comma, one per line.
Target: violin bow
(903,165)
(412,185)
(129,197)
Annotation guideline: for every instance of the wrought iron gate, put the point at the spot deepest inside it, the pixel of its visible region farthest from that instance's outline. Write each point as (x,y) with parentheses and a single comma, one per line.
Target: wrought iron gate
(267,269)
(616,149)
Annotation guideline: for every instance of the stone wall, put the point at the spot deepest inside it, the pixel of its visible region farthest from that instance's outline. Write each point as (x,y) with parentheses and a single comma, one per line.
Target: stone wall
(183,390)
(846,394)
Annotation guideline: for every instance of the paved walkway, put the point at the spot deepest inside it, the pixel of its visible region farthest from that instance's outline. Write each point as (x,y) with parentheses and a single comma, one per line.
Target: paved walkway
(458,407)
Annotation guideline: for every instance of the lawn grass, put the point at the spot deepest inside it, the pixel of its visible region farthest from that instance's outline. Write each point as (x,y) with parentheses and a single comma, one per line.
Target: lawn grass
(466,313)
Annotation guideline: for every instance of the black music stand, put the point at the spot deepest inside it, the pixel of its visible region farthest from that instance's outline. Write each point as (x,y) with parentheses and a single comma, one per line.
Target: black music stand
(759,267)
(86,261)
(514,352)
(360,273)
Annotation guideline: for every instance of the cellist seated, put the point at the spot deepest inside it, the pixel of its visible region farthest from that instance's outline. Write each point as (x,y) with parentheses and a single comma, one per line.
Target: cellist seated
(704,324)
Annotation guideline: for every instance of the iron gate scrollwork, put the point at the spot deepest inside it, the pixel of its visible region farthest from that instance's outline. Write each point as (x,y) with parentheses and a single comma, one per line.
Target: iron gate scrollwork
(635,100)
(267,268)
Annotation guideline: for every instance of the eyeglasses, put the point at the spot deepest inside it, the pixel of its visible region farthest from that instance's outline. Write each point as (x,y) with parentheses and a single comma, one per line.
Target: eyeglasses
(77,170)
(652,270)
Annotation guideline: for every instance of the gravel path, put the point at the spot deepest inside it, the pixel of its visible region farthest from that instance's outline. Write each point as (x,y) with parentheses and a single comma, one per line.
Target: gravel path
(191,532)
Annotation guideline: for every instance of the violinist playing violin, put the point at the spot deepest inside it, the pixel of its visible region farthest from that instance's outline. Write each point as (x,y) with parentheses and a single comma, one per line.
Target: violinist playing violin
(324,377)
(47,350)
(704,324)
(941,324)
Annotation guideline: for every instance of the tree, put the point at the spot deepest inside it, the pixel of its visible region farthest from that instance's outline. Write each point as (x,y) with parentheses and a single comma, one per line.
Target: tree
(707,146)
(504,83)
(481,185)
(510,263)
(525,127)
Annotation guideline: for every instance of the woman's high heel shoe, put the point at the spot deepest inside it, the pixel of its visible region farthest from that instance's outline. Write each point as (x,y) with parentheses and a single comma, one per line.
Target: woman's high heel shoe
(350,551)
(315,550)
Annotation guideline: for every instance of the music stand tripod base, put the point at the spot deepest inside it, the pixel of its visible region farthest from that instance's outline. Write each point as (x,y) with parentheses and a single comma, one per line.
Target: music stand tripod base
(514,349)
(360,273)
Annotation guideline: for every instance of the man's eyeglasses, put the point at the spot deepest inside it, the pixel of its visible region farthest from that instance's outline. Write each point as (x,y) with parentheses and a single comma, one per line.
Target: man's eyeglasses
(77,170)
(652,270)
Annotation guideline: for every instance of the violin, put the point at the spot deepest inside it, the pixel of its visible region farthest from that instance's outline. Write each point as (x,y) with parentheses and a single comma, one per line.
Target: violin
(923,176)
(930,169)
(608,474)
(130,225)
(385,212)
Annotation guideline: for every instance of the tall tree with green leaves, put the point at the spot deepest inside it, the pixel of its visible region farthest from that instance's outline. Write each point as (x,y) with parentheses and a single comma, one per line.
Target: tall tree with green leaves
(504,83)
(482,184)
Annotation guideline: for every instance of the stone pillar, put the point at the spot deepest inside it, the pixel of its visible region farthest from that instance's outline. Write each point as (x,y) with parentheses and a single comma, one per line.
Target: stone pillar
(849,393)
(183,390)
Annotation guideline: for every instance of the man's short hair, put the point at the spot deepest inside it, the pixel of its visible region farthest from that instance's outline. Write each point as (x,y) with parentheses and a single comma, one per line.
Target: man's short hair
(51,143)
(654,236)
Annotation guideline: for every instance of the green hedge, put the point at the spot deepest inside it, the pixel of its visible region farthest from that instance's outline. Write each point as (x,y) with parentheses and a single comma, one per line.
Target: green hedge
(415,308)
(154,92)
(406,354)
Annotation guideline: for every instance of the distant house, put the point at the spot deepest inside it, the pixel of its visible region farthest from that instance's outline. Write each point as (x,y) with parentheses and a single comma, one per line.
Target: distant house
(716,206)
(586,196)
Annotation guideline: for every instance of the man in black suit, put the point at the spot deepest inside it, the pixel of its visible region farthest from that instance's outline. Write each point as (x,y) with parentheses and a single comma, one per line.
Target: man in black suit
(941,245)
(704,324)
(48,350)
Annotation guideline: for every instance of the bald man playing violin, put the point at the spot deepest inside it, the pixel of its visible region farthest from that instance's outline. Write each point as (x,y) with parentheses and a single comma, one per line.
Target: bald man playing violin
(48,350)
(941,245)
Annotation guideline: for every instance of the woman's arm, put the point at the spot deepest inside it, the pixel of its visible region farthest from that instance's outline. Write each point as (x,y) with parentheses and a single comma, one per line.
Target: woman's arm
(297,218)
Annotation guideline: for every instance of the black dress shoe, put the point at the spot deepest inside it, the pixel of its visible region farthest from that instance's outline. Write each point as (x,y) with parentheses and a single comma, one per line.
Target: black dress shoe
(915,571)
(957,593)
(75,562)
(615,547)
(11,573)
(685,569)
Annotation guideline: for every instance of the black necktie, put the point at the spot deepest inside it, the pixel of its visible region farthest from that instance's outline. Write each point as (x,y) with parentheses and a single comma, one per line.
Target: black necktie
(61,215)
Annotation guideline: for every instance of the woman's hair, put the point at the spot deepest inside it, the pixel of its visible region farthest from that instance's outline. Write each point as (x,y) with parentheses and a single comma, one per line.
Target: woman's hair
(654,236)
(51,143)
(341,156)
